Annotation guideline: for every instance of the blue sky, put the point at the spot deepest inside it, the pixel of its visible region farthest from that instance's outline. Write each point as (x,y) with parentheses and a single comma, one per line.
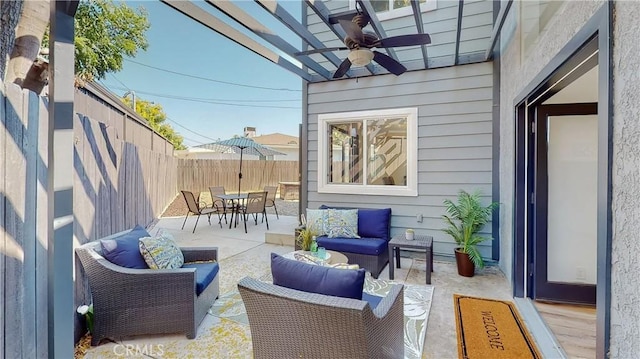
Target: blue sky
(179,44)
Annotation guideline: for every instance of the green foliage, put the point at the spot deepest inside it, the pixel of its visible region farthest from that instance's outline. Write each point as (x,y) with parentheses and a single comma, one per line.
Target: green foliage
(105,31)
(155,116)
(305,237)
(465,219)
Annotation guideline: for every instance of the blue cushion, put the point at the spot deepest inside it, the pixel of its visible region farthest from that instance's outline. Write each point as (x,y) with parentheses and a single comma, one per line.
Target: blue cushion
(368,246)
(124,250)
(373,300)
(205,273)
(372,222)
(346,283)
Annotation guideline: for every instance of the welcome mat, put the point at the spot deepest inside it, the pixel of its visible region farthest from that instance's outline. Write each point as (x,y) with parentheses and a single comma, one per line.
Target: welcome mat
(489,328)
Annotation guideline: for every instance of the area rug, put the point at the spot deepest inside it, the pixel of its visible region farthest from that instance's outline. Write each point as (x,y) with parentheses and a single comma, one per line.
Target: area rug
(417,302)
(225,332)
(489,328)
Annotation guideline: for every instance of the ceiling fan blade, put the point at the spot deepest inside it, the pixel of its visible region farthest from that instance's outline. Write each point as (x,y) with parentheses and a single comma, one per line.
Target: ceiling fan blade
(317,51)
(388,63)
(353,31)
(405,40)
(342,69)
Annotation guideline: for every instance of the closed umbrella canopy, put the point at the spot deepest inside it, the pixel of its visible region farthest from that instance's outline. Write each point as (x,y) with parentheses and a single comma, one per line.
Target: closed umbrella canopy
(244,145)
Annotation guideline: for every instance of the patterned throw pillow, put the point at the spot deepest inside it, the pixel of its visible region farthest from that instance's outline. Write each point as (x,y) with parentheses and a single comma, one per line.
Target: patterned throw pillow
(316,221)
(161,251)
(342,223)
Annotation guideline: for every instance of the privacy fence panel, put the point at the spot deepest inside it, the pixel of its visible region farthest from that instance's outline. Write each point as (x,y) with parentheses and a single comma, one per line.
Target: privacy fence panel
(23,224)
(199,175)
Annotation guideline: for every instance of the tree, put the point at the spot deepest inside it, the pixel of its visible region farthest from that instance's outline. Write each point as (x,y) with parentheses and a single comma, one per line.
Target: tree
(155,116)
(105,32)
(31,25)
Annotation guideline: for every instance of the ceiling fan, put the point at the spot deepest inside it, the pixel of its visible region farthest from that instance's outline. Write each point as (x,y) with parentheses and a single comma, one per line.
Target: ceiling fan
(360,43)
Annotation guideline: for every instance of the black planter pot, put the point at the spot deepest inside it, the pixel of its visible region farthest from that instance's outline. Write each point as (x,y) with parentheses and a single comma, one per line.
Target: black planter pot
(466,268)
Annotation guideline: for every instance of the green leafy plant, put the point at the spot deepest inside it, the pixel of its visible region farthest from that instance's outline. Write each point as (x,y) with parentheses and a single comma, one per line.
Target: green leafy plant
(465,219)
(87,312)
(305,238)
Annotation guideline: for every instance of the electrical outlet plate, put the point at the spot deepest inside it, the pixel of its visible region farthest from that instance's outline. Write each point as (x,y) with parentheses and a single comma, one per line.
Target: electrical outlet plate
(581,273)
(419,218)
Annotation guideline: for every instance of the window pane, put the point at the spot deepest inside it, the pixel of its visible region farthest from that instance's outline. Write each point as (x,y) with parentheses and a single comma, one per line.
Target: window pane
(345,154)
(397,4)
(387,152)
(380,5)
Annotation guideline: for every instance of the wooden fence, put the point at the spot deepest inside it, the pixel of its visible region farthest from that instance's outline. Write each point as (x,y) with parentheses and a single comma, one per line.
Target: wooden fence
(198,175)
(23,224)
(124,174)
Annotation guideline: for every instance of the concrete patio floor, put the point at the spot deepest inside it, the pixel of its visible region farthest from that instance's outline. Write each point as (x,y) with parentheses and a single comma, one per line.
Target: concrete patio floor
(440,341)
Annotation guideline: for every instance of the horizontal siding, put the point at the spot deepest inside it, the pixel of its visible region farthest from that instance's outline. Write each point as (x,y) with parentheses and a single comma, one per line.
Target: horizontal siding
(454,139)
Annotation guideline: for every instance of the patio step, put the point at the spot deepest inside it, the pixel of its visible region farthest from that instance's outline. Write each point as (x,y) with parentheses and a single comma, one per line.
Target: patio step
(283,239)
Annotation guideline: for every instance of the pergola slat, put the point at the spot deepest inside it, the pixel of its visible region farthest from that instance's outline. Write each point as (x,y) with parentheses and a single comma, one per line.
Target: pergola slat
(290,21)
(196,13)
(246,20)
(376,25)
(458,31)
(323,13)
(497,26)
(417,15)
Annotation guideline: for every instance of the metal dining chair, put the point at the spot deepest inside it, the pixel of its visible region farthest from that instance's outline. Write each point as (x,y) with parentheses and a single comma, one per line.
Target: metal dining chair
(195,207)
(220,205)
(271,198)
(254,205)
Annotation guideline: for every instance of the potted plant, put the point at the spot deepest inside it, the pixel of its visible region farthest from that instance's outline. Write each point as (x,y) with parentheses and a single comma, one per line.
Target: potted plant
(304,238)
(464,220)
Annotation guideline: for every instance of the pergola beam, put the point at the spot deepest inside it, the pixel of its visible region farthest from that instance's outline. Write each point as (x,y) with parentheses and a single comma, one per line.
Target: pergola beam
(458,31)
(417,15)
(323,13)
(417,65)
(497,27)
(376,25)
(250,23)
(290,22)
(60,142)
(196,13)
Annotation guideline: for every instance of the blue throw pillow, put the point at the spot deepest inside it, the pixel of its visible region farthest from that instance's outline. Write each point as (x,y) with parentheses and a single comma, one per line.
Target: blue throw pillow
(374,223)
(346,283)
(124,250)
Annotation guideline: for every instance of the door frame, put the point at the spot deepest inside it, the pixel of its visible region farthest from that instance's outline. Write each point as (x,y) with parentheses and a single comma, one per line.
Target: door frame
(540,288)
(596,34)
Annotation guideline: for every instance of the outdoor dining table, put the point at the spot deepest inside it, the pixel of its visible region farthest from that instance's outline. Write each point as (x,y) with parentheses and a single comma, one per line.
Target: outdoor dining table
(235,200)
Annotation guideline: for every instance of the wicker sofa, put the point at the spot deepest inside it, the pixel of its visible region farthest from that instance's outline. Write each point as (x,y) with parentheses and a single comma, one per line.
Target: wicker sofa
(287,323)
(130,302)
(370,252)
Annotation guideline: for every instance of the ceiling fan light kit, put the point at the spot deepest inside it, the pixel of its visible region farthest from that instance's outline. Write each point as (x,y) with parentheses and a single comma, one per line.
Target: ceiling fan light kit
(360,57)
(361,42)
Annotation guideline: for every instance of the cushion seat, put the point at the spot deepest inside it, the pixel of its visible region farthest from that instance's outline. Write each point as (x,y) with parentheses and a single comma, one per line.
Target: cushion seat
(368,246)
(205,273)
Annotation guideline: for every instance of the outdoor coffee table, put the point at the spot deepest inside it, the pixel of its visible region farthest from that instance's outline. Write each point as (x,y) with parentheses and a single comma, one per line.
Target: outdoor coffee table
(335,257)
(419,242)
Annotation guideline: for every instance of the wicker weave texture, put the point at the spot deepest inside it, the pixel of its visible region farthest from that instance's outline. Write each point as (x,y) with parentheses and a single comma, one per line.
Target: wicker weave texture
(129,302)
(287,323)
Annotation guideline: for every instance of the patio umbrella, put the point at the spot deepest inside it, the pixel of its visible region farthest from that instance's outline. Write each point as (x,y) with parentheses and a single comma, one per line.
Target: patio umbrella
(248,146)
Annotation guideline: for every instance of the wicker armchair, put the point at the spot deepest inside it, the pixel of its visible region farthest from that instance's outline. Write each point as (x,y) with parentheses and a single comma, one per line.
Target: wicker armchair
(130,302)
(286,323)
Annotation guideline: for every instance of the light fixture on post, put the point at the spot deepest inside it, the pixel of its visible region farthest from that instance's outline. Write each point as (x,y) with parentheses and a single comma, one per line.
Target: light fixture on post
(133,98)
(360,57)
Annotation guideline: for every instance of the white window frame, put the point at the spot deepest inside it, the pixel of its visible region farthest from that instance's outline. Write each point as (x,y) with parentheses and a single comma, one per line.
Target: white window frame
(428,5)
(410,189)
